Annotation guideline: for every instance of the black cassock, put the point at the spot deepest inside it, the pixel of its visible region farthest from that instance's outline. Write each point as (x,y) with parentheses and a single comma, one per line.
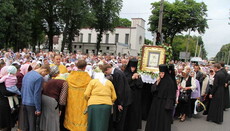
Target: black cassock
(226,93)
(134,117)
(160,114)
(124,98)
(215,113)
(226,89)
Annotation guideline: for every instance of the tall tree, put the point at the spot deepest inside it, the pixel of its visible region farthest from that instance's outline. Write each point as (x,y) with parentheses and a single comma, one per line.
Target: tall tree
(124,22)
(16,16)
(178,17)
(223,54)
(7,13)
(74,14)
(105,16)
(49,10)
(148,42)
(179,45)
(38,33)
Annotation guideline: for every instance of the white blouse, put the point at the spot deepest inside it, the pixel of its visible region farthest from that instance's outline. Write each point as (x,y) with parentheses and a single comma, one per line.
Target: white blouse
(193,82)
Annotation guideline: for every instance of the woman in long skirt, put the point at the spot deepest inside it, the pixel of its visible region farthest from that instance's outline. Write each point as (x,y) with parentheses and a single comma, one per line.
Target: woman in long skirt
(100,95)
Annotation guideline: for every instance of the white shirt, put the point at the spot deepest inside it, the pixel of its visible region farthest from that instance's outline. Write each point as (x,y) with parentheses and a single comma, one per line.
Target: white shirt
(193,82)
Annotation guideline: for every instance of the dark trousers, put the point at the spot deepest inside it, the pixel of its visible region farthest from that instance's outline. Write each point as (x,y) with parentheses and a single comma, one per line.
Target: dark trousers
(27,118)
(120,125)
(118,119)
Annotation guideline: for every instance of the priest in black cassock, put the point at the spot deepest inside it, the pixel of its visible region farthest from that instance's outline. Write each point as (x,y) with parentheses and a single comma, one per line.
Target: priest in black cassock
(134,118)
(124,97)
(160,114)
(215,113)
(226,88)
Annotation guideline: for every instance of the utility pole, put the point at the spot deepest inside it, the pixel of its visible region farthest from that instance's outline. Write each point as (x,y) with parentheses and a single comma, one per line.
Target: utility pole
(161,21)
(186,53)
(199,52)
(196,46)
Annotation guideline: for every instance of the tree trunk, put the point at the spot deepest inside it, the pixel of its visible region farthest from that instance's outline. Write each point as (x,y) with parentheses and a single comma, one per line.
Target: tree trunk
(64,36)
(99,37)
(64,39)
(50,35)
(39,44)
(70,42)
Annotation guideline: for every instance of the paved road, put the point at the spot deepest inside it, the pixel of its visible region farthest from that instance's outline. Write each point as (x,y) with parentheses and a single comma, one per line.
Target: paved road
(198,123)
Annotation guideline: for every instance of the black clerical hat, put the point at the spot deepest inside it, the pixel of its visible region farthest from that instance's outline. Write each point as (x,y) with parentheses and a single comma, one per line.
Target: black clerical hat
(133,62)
(163,68)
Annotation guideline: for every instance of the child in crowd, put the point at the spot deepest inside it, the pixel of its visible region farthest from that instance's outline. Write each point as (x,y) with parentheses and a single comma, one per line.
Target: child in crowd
(10,83)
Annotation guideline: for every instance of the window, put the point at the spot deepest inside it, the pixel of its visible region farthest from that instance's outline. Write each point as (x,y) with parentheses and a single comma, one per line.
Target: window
(93,51)
(107,48)
(116,38)
(140,40)
(81,37)
(89,38)
(86,51)
(80,46)
(75,46)
(107,38)
(126,38)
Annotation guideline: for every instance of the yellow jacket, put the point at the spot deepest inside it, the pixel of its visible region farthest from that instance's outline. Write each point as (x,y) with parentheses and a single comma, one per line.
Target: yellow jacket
(96,93)
(62,68)
(75,120)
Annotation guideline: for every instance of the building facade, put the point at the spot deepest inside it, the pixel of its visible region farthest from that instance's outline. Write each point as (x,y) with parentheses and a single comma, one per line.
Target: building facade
(123,40)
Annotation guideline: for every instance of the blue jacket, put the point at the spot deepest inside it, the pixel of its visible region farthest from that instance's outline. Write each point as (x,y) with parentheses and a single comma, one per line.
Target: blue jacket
(31,89)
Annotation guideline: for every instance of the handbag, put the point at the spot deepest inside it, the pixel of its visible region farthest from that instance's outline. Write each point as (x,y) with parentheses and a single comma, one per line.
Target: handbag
(183,97)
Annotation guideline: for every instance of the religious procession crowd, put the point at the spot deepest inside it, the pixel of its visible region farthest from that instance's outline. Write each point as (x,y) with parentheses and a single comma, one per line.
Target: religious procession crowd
(50,91)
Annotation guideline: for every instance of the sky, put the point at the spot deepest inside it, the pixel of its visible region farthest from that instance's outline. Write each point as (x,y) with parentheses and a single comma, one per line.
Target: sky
(216,35)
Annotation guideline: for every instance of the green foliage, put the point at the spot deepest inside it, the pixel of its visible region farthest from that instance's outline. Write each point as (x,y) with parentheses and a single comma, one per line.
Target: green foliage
(74,13)
(168,53)
(15,23)
(178,17)
(105,15)
(148,42)
(123,22)
(179,45)
(49,12)
(223,54)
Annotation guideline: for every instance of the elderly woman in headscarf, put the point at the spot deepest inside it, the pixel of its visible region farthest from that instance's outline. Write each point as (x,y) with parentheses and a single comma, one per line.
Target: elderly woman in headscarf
(160,114)
(23,71)
(188,84)
(100,95)
(54,96)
